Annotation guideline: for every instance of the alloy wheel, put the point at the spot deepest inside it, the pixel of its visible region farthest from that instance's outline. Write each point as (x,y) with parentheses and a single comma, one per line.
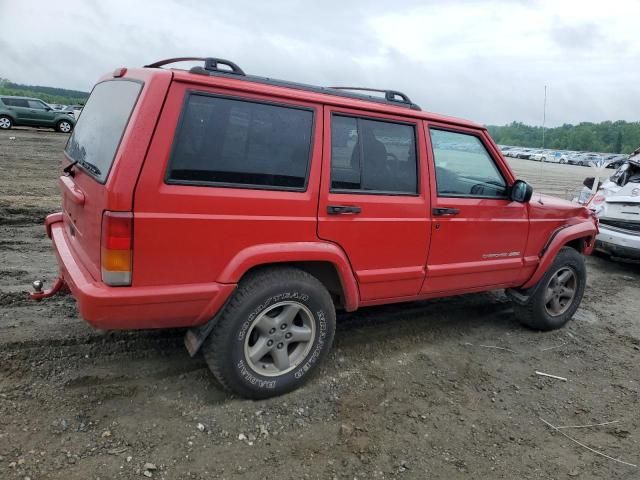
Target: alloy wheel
(279,338)
(560,291)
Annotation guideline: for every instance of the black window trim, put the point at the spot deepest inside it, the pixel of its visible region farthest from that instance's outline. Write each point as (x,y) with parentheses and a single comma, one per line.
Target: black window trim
(414,125)
(479,137)
(126,126)
(244,186)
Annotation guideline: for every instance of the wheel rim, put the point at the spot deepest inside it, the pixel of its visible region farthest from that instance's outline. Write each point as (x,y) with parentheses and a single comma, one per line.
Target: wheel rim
(560,291)
(65,127)
(5,123)
(280,338)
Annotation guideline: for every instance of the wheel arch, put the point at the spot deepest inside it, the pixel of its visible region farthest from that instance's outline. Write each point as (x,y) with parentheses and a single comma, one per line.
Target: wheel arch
(10,116)
(325,261)
(580,236)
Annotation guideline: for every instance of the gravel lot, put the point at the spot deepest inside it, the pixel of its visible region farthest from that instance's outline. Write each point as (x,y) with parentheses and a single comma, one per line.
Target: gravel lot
(409,391)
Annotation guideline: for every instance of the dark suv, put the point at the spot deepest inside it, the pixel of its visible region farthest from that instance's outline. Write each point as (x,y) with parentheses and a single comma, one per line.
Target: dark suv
(32,112)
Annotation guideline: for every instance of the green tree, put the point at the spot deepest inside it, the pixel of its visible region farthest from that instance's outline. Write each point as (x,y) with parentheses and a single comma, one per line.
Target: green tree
(618,147)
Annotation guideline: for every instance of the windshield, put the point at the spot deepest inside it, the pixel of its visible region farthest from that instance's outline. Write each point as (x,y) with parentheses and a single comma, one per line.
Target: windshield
(96,137)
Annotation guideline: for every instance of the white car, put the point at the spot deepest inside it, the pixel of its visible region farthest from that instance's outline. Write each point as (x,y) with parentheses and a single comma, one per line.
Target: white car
(617,205)
(544,156)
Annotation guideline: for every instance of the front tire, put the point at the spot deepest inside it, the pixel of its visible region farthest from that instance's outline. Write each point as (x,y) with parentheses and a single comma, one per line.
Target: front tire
(5,122)
(557,295)
(64,126)
(273,333)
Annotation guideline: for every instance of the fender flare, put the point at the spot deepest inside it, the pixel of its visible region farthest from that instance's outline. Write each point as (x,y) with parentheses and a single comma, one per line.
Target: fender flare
(585,230)
(274,253)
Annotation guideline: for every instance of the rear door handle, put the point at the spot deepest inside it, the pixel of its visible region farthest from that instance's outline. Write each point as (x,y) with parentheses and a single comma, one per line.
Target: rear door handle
(445,212)
(342,209)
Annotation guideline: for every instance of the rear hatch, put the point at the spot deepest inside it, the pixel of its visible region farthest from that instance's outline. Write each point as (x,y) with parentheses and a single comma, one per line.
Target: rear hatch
(96,146)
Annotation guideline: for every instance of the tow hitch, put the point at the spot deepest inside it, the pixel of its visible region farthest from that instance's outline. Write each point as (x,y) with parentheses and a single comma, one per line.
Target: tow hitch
(39,294)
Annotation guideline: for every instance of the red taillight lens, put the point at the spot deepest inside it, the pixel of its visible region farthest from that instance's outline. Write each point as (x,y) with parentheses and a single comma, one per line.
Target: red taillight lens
(116,248)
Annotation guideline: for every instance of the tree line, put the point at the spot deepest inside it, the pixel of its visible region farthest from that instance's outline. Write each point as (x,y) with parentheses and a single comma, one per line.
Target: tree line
(605,137)
(48,94)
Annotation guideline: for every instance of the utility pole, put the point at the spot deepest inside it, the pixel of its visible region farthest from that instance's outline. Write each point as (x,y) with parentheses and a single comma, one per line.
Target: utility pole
(544,114)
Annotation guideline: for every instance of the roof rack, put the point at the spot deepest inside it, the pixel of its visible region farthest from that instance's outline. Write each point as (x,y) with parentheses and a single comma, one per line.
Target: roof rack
(212,68)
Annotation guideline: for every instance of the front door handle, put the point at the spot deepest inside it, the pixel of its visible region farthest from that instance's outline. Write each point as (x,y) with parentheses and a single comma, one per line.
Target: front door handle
(342,209)
(445,212)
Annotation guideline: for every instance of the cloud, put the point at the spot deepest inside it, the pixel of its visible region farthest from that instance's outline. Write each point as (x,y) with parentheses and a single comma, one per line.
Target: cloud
(486,61)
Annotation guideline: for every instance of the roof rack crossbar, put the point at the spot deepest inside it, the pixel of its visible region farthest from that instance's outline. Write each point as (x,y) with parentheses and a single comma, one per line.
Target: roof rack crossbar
(389,95)
(211,64)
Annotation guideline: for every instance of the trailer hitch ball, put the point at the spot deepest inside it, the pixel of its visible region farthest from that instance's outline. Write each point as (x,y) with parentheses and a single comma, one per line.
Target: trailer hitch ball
(39,293)
(37,286)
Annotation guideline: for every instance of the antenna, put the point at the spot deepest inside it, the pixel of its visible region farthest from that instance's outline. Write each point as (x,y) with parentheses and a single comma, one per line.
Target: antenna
(544,114)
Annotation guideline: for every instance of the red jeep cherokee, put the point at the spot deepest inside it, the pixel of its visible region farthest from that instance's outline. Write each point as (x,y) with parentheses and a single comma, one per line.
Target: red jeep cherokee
(249,209)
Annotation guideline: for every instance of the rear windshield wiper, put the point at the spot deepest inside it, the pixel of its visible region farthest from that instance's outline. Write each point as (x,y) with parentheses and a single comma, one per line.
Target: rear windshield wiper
(68,168)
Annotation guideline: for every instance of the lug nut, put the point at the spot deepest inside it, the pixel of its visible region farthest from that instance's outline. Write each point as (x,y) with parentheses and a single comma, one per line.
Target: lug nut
(283,326)
(280,345)
(288,335)
(269,343)
(272,331)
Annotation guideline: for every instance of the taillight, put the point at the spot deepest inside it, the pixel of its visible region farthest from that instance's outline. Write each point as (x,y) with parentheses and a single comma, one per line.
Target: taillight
(117,246)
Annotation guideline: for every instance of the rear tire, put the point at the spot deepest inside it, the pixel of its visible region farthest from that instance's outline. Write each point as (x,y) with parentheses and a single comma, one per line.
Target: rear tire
(5,122)
(63,126)
(273,333)
(557,295)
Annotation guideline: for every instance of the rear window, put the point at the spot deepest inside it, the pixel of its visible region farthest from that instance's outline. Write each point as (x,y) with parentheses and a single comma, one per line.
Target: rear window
(96,137)
(232,142)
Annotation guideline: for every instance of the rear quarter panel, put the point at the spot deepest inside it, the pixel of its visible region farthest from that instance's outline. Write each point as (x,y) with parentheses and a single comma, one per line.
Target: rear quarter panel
(188,233)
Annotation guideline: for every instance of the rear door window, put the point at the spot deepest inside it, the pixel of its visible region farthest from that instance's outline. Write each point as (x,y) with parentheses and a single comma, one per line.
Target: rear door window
(36,104)
(373,156)
(232,142)
(96,137)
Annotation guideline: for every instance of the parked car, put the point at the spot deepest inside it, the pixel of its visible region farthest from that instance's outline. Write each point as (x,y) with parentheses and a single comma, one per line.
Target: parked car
(543,156)
(551,156)
(617,160)
(74,110)
(32,112)
(250,209)
(617,204)
(524,153)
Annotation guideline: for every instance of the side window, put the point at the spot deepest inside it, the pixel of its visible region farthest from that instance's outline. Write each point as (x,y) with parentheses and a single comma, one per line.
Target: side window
(36,104)
(15,102)
(464,168)
(244,143)
(372,155)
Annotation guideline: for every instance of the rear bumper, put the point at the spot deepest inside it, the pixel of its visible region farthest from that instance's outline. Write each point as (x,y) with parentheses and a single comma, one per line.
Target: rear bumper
(617,243)
(122,308)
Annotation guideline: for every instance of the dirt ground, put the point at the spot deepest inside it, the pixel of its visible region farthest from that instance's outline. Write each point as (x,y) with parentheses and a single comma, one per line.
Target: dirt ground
(410,391)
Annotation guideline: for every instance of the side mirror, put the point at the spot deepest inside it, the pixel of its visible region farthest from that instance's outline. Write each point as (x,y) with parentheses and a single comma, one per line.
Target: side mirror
(521,191)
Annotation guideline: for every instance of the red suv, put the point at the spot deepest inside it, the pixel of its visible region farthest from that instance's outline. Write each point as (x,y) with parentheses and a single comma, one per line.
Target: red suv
(250,209)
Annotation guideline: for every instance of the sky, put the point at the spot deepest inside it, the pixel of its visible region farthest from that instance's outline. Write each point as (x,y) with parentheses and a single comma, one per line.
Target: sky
(486,61)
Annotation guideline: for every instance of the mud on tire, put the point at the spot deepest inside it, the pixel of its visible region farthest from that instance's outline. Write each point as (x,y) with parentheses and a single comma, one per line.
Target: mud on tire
(552,304)
(273,313)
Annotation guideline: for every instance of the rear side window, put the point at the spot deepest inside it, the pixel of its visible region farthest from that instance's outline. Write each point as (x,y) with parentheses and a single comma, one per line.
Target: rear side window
(96,137)
(15,102)
(373,156)
(464,168)
(232,142)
